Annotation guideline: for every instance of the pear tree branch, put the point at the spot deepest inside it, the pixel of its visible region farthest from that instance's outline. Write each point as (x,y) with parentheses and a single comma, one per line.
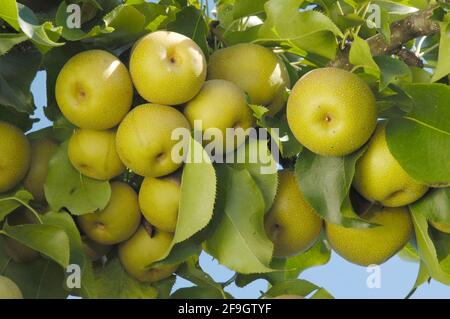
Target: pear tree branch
(416,25)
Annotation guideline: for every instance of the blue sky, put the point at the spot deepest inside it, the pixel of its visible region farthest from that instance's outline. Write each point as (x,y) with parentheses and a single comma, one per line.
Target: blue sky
(340,278)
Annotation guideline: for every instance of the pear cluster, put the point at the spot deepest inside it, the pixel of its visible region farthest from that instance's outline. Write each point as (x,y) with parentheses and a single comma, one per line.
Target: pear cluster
(113,135)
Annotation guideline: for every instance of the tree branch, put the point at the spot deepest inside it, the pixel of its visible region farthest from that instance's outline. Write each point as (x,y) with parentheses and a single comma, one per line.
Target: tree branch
(416,25)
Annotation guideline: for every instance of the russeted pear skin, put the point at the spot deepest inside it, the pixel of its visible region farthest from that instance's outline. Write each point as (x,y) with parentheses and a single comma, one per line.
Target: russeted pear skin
(373,246)
(15,156)
(380,178)
(332,112)
(292,224)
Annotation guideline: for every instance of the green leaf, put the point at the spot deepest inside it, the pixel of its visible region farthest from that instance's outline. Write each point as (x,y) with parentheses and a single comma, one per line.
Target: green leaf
(9,13)
(392,71)
(245,8)
(75,34)
(49,240)
(317,255)
(191,22)
(20,119)
(44,35)
(443,64)
(198,194)
(65,187)
(308,30)
(435,206)
(325,182)
(10,202)
(192,272)
(420,140)
(182,251)
(113,282)
(426,248)
(40,279)
(263,169)
(77,256)
(164,287)
(15,90)
(422,277)
(9,40)
(297,287)
(360,56)
(409,253)
(239,242)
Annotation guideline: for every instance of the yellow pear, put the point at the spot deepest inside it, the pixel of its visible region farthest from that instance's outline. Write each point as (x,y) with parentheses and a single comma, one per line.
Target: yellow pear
(379,177)
(147,246)
(144,139)
(221,105)
(15,156)
(442,227)
(94,90)
(332,112)
(118,221)
(159,199)
(292,224)
(373,246)
(255,69)
(9,289)
(167,68)
(94,154)
(41,153)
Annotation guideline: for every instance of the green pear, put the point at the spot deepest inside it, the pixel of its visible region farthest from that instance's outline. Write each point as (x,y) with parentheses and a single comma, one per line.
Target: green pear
(17,251)
(118,221)
(380,178)
(41,153)
(9,289)
(144,139)
(94,251)
(167,68)
(373,246)
(442,227)
(159,200)
(15,156)
(255,69)
(94,90)
(332,112)
(216,112)
(147,246)
(292,224)
(93,154)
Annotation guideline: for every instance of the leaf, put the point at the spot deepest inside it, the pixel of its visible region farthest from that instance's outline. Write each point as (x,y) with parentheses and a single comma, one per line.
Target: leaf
(317,255)
(325,182)
(49,240)
(191,22)
(165,287)
(435,205)
(182,251)
(15,90)
(420,140)
(9,40)
(20,119)
(443,64)
(40,279)
(77,256)
(422,277)
(308,30)
(360,56)
(261,166)
(65,187)
(192,272)
(8,12)
(392,71)
(409,253)
(10,202)
(297,287)
(426,248)
(245,8)
(113,282)
(44,35)
(239,242)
